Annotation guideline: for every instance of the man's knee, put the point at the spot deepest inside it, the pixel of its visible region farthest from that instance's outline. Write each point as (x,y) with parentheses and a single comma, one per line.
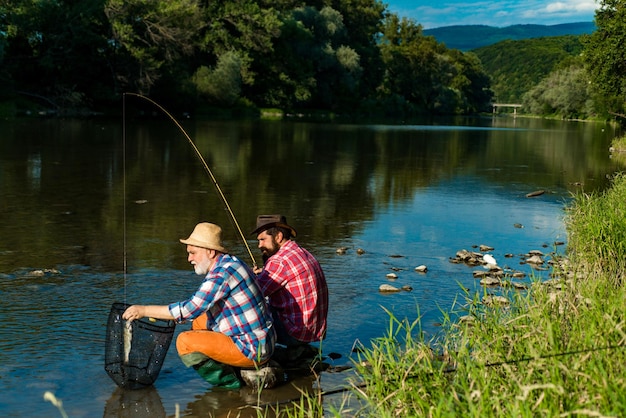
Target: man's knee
(184,343)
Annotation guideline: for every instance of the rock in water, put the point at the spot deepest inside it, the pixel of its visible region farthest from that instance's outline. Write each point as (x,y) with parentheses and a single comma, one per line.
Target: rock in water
(387,288)
(266,377)
(536,193)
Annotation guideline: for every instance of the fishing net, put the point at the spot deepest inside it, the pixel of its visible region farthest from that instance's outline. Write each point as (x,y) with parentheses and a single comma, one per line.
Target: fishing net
(135,351)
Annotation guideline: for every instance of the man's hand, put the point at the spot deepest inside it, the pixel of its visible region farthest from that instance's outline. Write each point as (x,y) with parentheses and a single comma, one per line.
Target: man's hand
(134,312)
(152,311)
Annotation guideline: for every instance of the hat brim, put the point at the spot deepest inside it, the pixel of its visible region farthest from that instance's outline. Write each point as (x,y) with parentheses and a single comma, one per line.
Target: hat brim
(273,225)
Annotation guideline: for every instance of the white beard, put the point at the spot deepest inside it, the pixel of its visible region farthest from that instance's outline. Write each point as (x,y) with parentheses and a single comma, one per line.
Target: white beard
(202,268)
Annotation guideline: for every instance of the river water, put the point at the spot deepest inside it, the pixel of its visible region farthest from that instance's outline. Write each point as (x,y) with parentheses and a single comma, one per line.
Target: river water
(91,212)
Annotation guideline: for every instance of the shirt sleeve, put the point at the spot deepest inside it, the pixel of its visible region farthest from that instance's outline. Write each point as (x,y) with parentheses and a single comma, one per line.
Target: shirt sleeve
(212,289)
(271,279)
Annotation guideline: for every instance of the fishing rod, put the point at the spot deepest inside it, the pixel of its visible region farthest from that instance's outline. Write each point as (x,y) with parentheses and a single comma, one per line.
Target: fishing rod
(206,167)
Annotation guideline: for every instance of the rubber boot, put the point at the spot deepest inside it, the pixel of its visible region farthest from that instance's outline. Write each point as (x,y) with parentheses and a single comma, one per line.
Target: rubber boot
(216,373)
(193,359)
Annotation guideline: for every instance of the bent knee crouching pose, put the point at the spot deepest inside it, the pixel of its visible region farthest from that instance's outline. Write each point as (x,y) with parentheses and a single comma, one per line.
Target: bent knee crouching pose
(232,326)
(221,347)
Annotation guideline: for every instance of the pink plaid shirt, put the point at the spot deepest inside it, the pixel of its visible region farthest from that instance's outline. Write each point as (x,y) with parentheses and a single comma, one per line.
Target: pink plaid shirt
(295,285)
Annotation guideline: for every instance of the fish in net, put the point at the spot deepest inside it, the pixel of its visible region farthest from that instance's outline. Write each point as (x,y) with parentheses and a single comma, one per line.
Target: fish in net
(135,350)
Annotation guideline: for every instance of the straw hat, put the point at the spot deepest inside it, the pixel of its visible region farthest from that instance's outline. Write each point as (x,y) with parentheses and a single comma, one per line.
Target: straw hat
(206,235)
(264,222)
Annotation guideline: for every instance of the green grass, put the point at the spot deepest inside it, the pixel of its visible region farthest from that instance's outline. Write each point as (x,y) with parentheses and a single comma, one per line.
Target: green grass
(596,227)
(619,143)
(618,149)
(557,349)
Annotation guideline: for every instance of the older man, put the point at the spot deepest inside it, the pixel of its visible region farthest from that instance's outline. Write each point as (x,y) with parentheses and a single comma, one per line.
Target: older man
(232,325)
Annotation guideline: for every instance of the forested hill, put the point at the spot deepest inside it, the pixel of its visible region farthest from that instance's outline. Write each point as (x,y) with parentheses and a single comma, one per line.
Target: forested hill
(468,37)
(515,67)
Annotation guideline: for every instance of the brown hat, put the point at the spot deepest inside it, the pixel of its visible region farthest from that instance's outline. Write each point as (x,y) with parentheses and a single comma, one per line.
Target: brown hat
(264,222)
(206,235)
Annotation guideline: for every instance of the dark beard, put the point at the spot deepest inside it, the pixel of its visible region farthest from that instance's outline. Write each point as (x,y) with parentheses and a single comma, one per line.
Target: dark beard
(268,252)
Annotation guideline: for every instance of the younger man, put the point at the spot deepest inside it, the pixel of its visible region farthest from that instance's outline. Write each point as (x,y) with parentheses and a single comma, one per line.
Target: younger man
(293,282)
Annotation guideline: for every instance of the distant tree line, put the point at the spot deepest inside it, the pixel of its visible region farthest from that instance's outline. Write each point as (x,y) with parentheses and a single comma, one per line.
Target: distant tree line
(580,76)
(469,37)
(330,55)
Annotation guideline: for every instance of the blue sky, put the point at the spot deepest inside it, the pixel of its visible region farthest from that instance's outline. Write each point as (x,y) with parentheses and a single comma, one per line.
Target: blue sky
(500,13)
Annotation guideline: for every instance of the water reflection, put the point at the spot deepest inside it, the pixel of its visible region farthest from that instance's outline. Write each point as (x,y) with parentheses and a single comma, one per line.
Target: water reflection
(141,403)
(247,402)
(80,205)
(313,173)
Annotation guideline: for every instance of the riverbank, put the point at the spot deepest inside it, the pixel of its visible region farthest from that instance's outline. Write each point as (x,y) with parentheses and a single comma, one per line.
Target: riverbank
(557,349)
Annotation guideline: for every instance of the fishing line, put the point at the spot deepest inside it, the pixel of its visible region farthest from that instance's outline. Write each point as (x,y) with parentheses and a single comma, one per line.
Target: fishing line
(206,167)
(449,370)
(124,189)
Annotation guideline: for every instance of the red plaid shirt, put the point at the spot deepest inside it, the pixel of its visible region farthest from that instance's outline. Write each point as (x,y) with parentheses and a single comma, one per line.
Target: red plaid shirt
(295,286)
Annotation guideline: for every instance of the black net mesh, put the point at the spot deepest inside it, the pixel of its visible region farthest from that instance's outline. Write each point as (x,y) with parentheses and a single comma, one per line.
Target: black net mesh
(135,351)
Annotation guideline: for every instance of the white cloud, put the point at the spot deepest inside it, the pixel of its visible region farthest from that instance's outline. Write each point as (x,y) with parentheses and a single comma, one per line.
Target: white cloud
(582,6)
(556,7)
(493,12)
(562,11)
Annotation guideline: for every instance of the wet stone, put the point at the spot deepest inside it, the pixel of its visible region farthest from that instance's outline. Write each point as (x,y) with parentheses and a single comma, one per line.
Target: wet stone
(266,377)
(495,300)
(535,259)
(387,288)
(421,269)
(490,281)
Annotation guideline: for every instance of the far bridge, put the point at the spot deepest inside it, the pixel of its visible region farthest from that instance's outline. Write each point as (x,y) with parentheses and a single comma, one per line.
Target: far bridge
(515,106)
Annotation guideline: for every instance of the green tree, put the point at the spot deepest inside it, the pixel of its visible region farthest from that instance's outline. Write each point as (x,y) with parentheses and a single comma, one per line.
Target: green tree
(312,64)
(410,60)
(605,56)
(56,50)
(337,68)
(244,25)
(363,21)
(471,83)
(150,36)
(246,29)
(564,92)
(422,75)
(221,85)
